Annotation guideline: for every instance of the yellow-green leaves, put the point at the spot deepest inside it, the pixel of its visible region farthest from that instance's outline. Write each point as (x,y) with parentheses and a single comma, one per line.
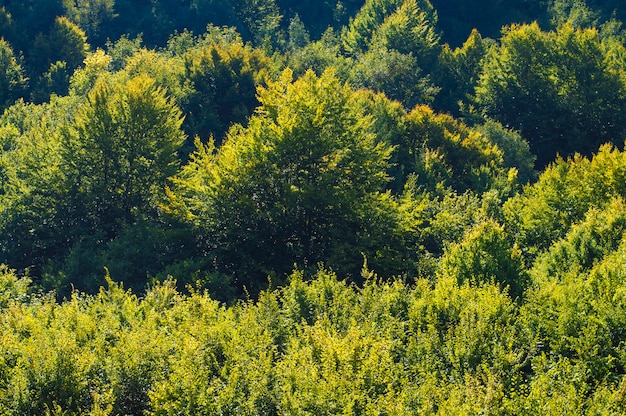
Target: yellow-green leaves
(124,144)
(12,78)
(286,188)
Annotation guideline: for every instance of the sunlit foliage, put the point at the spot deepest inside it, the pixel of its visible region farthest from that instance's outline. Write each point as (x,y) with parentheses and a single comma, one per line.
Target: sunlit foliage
(312,208)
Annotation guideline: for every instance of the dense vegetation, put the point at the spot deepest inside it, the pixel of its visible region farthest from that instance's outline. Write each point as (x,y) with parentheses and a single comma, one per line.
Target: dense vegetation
(359,207)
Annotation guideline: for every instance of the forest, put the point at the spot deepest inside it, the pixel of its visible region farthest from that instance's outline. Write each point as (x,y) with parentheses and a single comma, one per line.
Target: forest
(270,207)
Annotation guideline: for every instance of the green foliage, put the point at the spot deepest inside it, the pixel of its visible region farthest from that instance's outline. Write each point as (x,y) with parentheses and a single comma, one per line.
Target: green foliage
(298,35)
(72,178)
(296,184)
(586,242)
(84,79)
(576,13)
(450,154)
(559,89)
(319,56)
(578,317)
(90,15)
(223,79)
(374,16)
(565,191)
(515,150)
(167,71)
(260,18)
(66,42)
(394,45)
(12,78)
(122,148)
(426,282)
(12,287)
(322,347)
(397,75)
(31,184)
(409,31)
(456,73)
(486,254)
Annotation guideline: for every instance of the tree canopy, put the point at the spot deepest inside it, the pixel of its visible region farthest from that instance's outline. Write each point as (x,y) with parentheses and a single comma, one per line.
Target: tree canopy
(341,207)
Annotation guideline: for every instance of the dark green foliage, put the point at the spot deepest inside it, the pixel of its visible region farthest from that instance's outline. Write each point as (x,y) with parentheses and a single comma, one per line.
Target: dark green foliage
(318,16)
(55,81)
(65,42)
(559,89)
(457,18)
(223,80)
(426,280)
(93,16)
(31,184)
(73,178)
(409,30)
(456,73)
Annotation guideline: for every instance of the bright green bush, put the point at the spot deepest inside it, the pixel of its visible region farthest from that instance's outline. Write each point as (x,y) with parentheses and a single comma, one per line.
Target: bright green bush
(565,191)
(322,346)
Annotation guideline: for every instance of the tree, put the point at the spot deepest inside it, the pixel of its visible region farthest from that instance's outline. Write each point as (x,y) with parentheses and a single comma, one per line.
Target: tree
(410,30)
(486,255)
(456,74)
(294,187)
(457,18)
(79,174)
(32,178)
(260,20)
(91,15)
(372,15)
(544,212)
(515,150)
(320,55)
(65,42)
(398,75)
(559,89)
(12,79)
(319,16)
(298,35)
(394,48)
(587,242)
(223,79)
(448,153)
(122,148)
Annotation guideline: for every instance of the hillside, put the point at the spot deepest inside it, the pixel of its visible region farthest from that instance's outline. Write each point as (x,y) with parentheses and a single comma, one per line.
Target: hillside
(360,207)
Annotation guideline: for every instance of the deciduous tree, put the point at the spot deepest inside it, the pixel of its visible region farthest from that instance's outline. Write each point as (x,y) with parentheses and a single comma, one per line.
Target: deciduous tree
(559,89)
(293,187)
